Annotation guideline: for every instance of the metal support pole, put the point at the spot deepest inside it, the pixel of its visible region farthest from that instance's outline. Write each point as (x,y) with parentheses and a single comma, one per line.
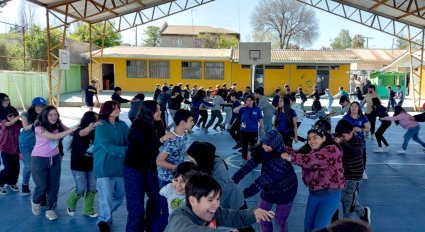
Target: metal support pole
(253,77)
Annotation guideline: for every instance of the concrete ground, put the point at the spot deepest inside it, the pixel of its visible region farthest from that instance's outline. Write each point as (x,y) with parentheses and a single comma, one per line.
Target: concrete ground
(395,190)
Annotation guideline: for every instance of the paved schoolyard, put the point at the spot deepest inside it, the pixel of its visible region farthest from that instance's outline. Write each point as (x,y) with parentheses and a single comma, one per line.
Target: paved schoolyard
(395,190)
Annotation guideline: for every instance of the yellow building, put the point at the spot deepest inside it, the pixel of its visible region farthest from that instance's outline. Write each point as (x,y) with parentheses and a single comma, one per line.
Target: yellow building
(138,69)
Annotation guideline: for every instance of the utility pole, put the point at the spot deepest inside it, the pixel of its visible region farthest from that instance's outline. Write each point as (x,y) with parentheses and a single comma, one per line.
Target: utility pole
(367,40)
(136,37)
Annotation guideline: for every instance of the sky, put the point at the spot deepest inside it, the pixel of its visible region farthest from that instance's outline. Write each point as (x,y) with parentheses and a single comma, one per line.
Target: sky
(233,15)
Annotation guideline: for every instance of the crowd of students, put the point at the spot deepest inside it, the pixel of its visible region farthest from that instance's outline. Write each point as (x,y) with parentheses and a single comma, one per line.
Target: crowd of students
(117,161)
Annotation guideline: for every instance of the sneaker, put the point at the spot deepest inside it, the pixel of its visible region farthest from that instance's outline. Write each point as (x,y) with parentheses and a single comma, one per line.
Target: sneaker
(92,215)
(25,189)
(378,150)
(14,188)
(71,212)
(237,146)
(103,227)
(401,151)
(216,129)
(366,216)
(367,135)
(364,177)
(51,215)
(3,191)
(35,208)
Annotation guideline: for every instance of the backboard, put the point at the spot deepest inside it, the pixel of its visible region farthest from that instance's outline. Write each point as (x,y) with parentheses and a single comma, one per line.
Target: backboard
(254,53)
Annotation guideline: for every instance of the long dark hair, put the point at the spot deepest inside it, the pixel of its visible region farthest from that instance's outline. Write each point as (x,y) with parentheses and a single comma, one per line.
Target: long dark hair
(307,149)
(145,117)
(43,120)
(316,106)
(88,118)
(398,110)
(199,95)
(287,110)
(32,115)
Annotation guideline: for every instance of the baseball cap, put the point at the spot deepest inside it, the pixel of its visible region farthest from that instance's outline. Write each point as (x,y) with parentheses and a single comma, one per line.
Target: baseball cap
(38,101)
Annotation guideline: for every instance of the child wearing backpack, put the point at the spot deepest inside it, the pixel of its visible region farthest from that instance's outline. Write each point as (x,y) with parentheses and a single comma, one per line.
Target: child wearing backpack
(278,182)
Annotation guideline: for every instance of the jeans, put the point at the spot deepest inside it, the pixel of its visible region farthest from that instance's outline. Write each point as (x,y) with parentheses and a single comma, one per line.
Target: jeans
(46,172)
(228,111)
(281,216)
(172,113)
(215,114)
(195,114)
(412,133)
(349,199)
(162,221)
(10,173)
(268,123)
(26,172)
(320,210)
(111,194)
(137,183)
(84,181)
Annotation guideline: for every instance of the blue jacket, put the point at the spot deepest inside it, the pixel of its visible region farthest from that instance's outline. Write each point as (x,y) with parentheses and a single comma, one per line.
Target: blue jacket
(277,181)
(110,146)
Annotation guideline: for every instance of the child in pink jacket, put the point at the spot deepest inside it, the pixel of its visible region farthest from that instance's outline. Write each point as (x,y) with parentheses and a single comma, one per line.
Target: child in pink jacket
(322,172)
(408,122)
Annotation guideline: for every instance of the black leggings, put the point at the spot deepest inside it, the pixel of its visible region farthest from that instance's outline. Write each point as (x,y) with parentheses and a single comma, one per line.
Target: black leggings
(204,117)
(287,138)
(372,119)
(248,139)
(235,130)
(380,133)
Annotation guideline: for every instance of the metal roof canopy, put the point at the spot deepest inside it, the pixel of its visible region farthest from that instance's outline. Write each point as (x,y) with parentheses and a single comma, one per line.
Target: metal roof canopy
(404,19)
(120,15)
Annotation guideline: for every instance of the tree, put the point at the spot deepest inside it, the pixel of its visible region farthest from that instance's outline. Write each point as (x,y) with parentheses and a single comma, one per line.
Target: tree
(401,44)
(342,41)
(153,36)
(112,38)
(226,41)
(36,45)
(289,21)
(358,41)
(4,61)
(217,41)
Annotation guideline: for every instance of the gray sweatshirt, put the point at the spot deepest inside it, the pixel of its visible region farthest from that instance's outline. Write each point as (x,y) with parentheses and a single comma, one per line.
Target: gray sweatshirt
(183,219)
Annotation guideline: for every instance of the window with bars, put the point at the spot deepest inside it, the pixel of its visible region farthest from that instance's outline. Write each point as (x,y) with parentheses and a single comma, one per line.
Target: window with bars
(136,68)
(214,70)
(159,69)
(191,70)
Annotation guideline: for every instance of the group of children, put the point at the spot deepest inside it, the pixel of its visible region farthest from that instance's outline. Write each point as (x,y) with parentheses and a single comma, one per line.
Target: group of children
(105,157)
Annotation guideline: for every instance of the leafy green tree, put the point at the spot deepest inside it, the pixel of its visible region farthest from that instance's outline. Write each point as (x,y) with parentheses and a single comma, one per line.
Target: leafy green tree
(217,41)
(4,62)
(226,41)
(401,44)
(112,38)
(342,41)
(153,36)
(207,40)
(358,41)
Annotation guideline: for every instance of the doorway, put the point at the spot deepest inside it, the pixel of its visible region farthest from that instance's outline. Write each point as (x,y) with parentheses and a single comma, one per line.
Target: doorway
(258,77)
(108,76)
(322,78)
